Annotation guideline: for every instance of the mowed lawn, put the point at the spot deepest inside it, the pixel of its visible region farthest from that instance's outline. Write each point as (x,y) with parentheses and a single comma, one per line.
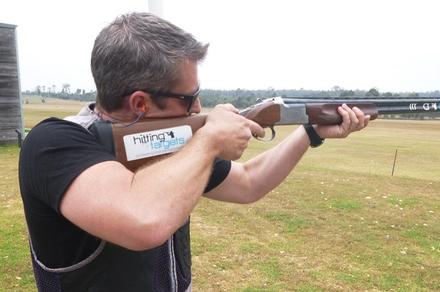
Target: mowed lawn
(339,222)
(35,110)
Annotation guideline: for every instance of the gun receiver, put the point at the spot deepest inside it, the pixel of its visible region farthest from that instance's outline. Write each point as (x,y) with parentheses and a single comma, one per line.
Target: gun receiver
(150,139)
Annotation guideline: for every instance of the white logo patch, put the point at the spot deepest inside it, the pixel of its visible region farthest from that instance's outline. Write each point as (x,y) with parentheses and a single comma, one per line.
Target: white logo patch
(158,142)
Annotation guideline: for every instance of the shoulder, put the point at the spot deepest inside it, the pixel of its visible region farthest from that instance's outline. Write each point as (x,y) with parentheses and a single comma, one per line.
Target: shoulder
(53,154)
(52,126)
(56,143)
(54,132)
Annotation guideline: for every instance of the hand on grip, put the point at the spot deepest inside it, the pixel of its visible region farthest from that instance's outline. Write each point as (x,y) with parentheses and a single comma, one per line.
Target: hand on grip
(230,132)
(353,119)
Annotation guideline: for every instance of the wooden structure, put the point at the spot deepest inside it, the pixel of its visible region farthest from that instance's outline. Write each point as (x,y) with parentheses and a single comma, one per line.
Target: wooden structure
(11,120)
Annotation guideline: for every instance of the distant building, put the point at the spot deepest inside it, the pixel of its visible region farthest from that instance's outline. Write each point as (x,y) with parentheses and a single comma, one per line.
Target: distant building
(11,120)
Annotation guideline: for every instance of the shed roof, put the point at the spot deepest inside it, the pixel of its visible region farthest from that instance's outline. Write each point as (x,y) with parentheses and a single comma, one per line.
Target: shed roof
(5,25)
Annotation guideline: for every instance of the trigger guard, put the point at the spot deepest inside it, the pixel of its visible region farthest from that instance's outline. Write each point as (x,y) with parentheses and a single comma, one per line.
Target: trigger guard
(273,133)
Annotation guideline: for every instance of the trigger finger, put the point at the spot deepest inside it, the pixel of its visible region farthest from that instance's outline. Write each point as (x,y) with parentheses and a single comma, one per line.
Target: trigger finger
(256,129)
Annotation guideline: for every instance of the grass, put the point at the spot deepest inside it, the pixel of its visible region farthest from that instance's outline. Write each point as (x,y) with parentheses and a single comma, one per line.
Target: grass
(35,111)
(339,222)
(15,268)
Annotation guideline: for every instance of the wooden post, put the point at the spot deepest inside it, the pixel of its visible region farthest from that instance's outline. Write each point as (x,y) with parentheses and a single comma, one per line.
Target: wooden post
(394,164)
(11,118)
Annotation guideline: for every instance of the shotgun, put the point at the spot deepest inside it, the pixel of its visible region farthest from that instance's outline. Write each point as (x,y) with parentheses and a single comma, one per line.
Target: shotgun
(148,140)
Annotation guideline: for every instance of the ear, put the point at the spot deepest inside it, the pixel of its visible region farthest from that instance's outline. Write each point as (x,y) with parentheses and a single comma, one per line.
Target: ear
(139,102)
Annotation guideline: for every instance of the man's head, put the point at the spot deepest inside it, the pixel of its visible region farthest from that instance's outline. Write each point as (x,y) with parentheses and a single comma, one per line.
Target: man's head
(141,52)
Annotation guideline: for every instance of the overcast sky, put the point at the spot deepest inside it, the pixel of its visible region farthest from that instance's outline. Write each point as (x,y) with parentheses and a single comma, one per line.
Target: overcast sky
(313,44)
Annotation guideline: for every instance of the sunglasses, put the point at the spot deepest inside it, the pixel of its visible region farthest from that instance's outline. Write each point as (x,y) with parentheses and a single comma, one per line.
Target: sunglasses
(189,99)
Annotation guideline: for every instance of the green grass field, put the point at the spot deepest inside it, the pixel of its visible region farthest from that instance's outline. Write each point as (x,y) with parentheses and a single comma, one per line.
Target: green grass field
(339,222)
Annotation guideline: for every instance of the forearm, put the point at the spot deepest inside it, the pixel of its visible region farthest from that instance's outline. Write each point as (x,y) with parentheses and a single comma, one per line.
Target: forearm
(267,170)
(139,210)
(170,189)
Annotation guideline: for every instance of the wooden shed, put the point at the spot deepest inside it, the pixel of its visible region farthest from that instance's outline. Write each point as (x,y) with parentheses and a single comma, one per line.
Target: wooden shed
(11,118)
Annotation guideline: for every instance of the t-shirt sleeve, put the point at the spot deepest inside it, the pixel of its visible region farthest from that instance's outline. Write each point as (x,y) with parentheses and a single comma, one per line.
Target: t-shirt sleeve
(54,153)
(220,171)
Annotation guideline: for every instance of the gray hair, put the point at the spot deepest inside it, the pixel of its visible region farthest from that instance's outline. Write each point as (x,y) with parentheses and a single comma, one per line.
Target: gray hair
(139,51)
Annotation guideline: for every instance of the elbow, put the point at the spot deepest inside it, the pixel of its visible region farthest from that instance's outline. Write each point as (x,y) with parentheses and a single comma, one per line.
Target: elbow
(250,186)
(142,243)
(249,198)
(250,192)
(246,196)
(147,235)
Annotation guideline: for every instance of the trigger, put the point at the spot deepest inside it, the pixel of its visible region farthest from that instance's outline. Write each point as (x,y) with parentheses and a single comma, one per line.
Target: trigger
(272,135)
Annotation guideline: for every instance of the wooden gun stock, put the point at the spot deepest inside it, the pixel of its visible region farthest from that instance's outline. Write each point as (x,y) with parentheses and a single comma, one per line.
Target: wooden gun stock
(148,125)
(266,114)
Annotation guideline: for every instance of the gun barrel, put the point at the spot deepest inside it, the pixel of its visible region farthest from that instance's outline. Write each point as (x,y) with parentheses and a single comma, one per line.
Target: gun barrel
(383,105)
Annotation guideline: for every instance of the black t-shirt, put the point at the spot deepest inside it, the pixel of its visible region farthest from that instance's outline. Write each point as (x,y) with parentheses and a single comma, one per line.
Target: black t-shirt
(54,153)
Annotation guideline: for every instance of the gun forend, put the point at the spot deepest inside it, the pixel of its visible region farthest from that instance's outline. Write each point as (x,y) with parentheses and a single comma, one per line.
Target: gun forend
(327,113)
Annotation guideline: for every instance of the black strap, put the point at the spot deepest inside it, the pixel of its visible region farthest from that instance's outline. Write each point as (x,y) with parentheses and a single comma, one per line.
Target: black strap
(315,139)
(103,132)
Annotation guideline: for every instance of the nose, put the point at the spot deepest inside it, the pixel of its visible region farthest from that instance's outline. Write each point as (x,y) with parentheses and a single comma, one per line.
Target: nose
(197,106)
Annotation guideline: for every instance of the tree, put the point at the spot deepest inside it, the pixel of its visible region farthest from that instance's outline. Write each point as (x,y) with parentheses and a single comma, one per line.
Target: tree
(336,89)
(271,92)
(372,92)
(347,93)
(66,88)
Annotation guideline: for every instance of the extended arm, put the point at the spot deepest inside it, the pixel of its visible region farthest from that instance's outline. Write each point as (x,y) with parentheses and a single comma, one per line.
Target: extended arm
(253,179)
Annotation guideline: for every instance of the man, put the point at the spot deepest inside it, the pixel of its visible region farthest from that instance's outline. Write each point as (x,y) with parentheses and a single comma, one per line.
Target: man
(96,226)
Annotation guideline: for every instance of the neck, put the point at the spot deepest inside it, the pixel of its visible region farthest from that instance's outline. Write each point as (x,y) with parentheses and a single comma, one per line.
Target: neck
(116,116)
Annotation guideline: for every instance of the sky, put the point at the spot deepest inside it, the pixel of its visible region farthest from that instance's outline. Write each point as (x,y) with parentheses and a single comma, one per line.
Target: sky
(312,44)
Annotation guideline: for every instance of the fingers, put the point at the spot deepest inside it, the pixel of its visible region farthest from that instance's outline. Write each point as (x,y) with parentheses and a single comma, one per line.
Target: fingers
(256,129)
(353,119)
(345,125)
(367,120)
(230,131)
(363,119)
(228,107)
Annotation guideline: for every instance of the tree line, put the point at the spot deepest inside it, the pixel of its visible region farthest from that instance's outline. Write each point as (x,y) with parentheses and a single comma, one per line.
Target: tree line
(242,98)
(63,93)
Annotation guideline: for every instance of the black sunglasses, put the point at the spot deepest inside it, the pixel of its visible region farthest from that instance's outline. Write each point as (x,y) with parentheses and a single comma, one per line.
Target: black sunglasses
(189,99)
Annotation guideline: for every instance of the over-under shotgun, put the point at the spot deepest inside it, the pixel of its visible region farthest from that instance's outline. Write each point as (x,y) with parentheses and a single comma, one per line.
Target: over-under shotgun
(149,139)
